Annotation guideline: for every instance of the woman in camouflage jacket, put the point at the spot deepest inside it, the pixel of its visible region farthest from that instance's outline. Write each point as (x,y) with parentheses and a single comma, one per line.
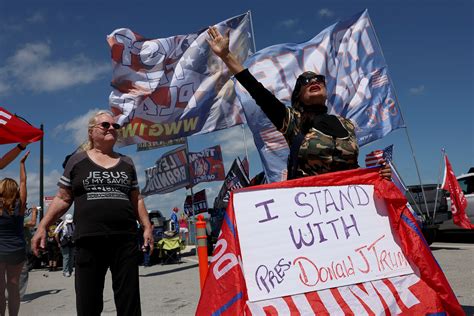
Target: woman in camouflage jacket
(319,142)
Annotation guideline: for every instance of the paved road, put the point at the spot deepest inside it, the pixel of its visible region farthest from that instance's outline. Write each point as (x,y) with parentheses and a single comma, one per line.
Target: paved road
(174,289)
(171,289)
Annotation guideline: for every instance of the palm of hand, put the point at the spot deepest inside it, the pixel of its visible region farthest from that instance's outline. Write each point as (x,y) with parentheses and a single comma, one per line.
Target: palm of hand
(220,45)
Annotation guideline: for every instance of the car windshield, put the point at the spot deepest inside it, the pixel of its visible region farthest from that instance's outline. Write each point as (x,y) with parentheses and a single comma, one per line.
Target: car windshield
(467,184)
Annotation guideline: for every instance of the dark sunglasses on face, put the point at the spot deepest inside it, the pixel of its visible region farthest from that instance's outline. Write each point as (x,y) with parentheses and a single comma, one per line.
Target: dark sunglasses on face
(106,125)
(315,78)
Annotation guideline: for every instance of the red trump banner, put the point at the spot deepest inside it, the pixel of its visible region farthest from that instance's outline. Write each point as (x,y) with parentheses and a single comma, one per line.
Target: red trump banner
(348,245)
(206,165)
(458,200)
(15,130)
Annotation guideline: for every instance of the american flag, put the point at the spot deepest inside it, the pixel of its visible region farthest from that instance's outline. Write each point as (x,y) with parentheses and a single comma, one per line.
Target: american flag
(375,158)
(273,139)
(379,79)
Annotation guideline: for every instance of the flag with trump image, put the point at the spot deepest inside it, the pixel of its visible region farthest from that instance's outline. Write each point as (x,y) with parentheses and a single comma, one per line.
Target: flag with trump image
(358,85)
(174,87)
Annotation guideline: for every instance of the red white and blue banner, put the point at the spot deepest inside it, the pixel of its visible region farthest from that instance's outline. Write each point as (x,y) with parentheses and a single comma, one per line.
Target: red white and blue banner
(174,87)
(169,173)
(206,165)
(357,79)
(325,256)
(15,130)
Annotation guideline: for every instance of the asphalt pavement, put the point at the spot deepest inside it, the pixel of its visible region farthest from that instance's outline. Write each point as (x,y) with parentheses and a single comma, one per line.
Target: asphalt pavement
(173,289)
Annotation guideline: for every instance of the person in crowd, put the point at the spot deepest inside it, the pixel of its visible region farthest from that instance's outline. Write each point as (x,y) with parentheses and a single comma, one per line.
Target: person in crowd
(52,248)
(12,154)
(64,238)
(174,220)
(183,228)
(319,142)
(27,226)
(104,188)
(12,242)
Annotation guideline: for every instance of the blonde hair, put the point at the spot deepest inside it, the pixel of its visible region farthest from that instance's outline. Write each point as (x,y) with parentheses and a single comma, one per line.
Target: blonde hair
(9,195)
(88,144)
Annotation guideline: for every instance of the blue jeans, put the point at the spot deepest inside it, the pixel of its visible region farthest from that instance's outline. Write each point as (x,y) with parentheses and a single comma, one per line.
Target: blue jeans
(68,258)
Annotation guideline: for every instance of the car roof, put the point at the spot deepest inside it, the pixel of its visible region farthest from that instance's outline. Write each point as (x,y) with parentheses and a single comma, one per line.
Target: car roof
(466,175)
(155,212)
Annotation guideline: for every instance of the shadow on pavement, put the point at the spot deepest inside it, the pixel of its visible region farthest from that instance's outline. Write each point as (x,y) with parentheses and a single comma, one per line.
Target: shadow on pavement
(32,296)
(434,248)
(170,271)
(456,236)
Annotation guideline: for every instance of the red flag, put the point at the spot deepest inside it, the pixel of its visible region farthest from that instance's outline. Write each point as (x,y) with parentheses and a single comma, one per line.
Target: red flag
(15,130)
(426,291)
(458,200)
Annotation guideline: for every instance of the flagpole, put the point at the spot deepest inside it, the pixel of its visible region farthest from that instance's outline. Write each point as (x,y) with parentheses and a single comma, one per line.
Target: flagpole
(41,189)
(392,165)
(253,34)
(406,127)
(191,187)
(245,144)
(438,184)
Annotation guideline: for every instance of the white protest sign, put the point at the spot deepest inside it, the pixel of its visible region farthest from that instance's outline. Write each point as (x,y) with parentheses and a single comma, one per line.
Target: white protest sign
(302,239)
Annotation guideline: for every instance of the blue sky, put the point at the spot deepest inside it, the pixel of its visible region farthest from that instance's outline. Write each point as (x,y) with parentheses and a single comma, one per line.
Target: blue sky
(55,69)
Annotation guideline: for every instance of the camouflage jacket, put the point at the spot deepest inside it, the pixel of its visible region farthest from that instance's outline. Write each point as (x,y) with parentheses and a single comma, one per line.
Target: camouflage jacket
(321,153)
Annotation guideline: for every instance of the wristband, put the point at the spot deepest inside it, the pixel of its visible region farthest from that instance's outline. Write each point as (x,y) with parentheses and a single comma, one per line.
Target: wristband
(21,147)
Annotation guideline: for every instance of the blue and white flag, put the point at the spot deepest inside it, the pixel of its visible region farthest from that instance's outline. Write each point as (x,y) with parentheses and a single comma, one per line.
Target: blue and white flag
(174,87)
(357,79)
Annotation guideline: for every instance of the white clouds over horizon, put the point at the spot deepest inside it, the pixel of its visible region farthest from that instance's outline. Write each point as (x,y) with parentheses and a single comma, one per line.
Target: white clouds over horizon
(288,23)
(34,68)
(77,127)
(417,90)
(325,13)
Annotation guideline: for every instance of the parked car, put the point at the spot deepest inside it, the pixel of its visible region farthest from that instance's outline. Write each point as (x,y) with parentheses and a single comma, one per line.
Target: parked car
(466,182)
(437,213)
(159,223)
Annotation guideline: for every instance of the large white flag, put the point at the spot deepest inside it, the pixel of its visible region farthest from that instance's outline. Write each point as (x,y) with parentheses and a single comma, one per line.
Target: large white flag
(174,87)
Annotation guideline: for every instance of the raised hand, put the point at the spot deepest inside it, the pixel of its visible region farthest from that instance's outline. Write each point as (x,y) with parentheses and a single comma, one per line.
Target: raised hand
(218,43)
(23,159)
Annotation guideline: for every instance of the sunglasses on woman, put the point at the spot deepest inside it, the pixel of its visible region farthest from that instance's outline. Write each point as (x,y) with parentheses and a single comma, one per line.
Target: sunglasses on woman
(106,125)
(314,78)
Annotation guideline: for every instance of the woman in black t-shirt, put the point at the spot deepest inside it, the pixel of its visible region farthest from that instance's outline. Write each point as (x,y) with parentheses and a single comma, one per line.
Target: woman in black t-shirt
(103,186)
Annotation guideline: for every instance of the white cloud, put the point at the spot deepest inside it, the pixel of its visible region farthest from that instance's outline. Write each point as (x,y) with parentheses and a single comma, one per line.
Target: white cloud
(49,184)
(34,68)
(232,144)
(77,127)
(325,12)
(289,23)
(417,90)
(35,18)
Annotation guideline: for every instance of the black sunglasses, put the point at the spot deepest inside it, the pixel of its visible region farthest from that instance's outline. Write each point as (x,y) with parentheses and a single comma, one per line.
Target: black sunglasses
(316,78)
(106,125)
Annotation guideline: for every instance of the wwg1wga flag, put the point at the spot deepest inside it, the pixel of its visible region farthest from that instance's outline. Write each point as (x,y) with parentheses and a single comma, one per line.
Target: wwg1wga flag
(425,292)
(174,87)
(458,200)
(358,85)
